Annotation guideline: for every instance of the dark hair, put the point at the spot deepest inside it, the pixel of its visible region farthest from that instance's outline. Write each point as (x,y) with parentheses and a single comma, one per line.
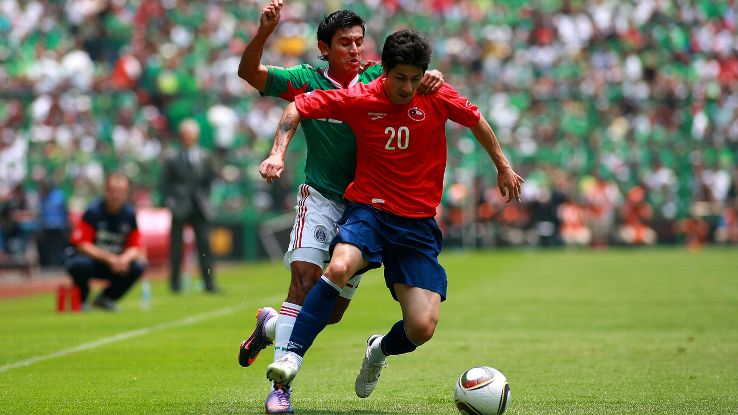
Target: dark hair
(335,21)
(406,47)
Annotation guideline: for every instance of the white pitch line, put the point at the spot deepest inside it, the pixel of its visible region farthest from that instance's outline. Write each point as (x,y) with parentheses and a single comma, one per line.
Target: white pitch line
(123,336)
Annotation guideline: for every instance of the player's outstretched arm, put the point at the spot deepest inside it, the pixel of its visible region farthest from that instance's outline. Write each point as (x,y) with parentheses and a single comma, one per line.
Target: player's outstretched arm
(272,168)
(507,180)
(250,68)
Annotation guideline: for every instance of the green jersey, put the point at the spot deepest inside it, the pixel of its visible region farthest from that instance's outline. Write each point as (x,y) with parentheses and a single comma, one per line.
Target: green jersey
(331,145)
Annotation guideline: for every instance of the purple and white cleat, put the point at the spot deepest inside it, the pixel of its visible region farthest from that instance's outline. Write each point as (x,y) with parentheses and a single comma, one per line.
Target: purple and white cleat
(278,400)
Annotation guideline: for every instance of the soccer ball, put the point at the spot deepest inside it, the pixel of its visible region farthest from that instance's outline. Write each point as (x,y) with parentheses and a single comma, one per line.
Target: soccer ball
(482,390)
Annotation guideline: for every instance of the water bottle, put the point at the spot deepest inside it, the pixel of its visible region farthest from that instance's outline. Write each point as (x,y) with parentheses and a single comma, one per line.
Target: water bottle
(198,286)
(145,295)
(186,281)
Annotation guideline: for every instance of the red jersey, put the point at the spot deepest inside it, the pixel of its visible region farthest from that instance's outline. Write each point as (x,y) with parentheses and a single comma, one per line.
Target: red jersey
(400,148)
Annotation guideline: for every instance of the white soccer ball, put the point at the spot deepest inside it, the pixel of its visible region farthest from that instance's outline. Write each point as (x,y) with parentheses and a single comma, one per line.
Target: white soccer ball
(482,390)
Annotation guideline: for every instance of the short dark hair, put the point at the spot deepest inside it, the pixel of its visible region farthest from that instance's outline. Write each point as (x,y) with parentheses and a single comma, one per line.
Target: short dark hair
(335,21)
(406,47)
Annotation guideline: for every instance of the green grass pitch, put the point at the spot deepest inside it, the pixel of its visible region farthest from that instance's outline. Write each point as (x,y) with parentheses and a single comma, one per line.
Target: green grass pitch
(576,332)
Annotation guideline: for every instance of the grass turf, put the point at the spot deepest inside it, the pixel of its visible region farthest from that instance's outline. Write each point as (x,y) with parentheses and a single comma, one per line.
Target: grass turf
(576,332)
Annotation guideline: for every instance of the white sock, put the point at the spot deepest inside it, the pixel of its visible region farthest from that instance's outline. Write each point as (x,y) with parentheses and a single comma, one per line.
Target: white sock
(296,357)
(270,327)
(375,351)
(284,324)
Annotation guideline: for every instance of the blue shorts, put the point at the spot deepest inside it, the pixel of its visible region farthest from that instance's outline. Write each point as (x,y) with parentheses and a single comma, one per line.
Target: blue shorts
(408,247)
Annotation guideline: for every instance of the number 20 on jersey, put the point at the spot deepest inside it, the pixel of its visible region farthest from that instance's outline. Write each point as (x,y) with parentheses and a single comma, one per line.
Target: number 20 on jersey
(398,138)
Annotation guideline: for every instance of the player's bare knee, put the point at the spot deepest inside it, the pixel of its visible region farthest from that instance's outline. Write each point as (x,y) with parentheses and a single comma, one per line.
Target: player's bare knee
(339,272)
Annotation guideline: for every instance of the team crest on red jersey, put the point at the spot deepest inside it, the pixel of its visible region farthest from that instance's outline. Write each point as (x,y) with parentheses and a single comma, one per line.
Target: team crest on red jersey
(416,114)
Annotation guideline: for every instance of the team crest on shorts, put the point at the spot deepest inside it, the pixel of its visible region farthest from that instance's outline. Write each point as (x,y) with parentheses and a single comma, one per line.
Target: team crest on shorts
(416,114)
(321,234)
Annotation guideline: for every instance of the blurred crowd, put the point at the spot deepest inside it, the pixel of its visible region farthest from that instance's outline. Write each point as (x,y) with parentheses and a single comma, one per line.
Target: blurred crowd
(622,115)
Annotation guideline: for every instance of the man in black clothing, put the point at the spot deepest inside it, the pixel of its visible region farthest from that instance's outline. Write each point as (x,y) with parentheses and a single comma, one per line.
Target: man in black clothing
(187,176)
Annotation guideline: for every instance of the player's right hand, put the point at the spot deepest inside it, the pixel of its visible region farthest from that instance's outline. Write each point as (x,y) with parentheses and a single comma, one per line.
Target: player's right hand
(270,14)
(271,168)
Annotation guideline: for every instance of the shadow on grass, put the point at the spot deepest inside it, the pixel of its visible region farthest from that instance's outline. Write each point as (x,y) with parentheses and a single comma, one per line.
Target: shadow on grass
(304,411)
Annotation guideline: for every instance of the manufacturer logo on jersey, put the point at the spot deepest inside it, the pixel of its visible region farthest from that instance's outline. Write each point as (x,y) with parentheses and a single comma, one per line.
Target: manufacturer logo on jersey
(416,114)
(377,200)
(467,104)
(377,115)
(321,234)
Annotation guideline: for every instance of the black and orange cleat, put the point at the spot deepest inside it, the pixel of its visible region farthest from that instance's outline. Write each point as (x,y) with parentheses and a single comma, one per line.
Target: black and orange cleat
(250,348)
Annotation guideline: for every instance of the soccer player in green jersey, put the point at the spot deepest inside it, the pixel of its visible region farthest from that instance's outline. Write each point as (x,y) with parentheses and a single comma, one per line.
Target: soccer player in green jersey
(330,165)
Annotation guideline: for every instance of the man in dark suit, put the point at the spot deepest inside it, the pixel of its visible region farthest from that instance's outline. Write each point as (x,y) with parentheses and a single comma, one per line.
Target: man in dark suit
(187,176)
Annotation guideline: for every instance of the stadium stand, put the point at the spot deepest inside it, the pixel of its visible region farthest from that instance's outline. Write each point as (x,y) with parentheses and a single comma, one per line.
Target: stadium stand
(600,103)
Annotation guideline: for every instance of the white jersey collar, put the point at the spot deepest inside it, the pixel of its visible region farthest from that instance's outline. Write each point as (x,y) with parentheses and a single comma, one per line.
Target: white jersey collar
(338,84)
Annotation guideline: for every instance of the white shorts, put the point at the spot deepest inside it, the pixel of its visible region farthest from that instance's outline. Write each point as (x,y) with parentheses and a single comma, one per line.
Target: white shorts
(313,230)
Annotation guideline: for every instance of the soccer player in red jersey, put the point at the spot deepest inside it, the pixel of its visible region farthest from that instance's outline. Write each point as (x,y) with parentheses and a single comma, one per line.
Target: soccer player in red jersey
(329,168)
(389,217)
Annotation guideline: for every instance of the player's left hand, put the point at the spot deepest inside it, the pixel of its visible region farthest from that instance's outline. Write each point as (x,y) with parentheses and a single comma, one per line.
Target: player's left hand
(509,183)
(271,168)
(432,80)
(120,266)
